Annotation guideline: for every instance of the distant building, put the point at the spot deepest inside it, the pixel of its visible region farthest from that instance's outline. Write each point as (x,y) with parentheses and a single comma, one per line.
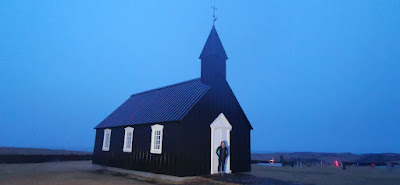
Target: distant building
(176,129)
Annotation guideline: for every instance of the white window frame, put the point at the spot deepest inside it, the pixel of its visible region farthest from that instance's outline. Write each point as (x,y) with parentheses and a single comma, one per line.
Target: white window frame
(128,130)
(156,148)
(106,140)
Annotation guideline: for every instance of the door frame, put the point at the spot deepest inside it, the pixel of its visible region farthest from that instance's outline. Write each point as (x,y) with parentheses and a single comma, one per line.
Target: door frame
(220,123)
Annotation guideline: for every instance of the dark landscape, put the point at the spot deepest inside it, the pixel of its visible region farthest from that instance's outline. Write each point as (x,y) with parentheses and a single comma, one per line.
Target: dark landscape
(328,159)
(37,155)
(77,169)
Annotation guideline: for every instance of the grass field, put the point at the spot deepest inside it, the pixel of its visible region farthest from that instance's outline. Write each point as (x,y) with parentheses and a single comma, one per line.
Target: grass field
(81,172)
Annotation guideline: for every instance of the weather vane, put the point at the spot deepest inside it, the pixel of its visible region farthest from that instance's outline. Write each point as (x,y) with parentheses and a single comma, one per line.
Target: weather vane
(214,16)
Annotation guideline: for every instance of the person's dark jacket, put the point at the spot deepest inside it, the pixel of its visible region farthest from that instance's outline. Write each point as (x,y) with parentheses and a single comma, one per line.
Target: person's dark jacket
(222,152)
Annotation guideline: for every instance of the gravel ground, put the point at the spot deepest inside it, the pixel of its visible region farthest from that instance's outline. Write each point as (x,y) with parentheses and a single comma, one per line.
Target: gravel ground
(58,173)
(81,172)
(330,175)
(248,179)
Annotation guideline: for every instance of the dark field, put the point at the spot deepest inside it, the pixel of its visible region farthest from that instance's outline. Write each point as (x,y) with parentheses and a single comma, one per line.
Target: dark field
(330,175)
(315,158)
(38,151)
(11,155)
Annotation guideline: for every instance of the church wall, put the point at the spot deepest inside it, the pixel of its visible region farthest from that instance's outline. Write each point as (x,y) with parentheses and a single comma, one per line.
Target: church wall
(140,158)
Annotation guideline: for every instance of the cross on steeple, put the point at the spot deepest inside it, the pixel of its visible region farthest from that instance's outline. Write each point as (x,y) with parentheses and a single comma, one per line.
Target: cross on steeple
(214,16)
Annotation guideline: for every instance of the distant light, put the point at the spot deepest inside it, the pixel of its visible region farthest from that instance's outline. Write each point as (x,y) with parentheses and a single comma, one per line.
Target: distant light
(272,160)
(336,163)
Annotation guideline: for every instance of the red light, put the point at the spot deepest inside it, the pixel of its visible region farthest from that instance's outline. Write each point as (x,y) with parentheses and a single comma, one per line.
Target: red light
(336,163)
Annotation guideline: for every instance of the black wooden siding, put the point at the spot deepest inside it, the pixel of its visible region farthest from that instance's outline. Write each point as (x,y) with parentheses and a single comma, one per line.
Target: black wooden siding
(140,158)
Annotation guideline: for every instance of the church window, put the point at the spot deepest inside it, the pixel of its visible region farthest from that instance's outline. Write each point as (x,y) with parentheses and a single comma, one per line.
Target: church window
(156,139)
(106,140)
(128,139)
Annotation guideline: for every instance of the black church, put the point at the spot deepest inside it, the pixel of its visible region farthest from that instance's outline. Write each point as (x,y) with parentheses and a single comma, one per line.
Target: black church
(175,130)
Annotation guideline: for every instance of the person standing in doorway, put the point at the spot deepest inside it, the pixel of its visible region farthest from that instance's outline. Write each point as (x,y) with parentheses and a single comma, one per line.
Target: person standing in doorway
(222,153)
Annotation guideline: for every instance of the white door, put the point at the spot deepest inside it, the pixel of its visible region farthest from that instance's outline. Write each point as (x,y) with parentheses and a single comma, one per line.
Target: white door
(220,131)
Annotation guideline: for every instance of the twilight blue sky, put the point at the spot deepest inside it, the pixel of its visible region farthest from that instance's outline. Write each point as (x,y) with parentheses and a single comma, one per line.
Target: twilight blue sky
(311,75)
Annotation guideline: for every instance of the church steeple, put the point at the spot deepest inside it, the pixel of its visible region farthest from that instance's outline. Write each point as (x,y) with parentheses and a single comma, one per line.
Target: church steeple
(213,59)
(213,46)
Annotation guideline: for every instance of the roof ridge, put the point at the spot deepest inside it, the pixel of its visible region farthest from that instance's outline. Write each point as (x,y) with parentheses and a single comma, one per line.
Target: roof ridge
(172,85)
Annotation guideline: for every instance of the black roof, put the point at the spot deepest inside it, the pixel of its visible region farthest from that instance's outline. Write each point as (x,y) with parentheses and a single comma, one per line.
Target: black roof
(166,104)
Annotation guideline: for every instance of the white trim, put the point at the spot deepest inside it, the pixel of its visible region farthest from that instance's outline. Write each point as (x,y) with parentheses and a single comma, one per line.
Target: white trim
(154,148)
(220,123)
(126,147)
(212,150)
(106,140)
